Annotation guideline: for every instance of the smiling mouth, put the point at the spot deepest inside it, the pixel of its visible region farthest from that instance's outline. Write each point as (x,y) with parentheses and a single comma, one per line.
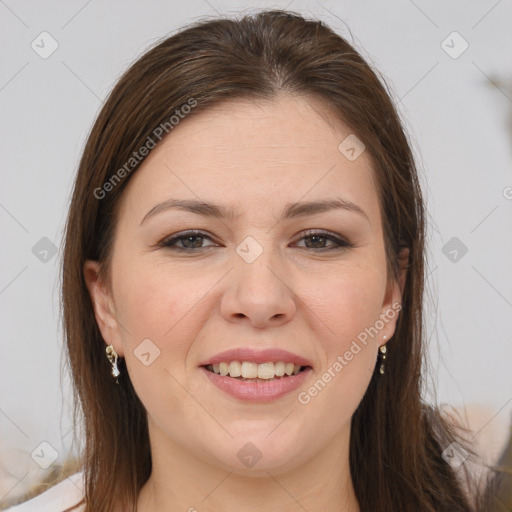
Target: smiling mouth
(254,372)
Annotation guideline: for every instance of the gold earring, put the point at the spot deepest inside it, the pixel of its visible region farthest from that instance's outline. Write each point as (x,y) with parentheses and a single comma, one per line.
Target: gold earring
(112,357)
(382,351)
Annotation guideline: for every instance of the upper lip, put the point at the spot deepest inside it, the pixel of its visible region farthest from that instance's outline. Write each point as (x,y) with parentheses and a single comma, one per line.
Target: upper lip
(257,356)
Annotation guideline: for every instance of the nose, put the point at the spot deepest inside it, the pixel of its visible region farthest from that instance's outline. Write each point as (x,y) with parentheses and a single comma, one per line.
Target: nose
(259,293)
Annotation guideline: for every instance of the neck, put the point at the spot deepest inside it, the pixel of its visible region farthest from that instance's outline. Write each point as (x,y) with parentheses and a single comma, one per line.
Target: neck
(182,481)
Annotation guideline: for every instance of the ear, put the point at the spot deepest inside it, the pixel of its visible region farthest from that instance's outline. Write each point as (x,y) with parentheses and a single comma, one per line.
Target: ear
(393,300)
(103,305)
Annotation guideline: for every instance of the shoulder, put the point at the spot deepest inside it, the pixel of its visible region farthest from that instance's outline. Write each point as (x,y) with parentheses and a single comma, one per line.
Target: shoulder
(58,498)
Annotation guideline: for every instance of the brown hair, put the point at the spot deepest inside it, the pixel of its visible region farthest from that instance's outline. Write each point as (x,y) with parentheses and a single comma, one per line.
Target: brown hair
(397,441)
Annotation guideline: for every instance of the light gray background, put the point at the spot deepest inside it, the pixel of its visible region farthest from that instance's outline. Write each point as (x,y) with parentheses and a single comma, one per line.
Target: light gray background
(459,121)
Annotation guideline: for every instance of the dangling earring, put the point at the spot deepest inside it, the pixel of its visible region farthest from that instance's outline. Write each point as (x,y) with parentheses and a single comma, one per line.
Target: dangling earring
(382,351)
(112,357)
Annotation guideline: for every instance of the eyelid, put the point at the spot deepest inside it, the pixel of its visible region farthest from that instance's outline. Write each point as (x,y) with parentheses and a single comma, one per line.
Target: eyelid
(184,234)
(341,242)
(325,233)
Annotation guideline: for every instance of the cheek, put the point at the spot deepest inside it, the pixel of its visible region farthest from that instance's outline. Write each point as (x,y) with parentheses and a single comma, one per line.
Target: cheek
(152,304)
(155,314)
(154,301)
(168,306)
(145,305)
(348,304)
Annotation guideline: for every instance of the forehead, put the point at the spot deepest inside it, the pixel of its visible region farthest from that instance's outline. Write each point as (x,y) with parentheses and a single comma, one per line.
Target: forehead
(297,123)
(253,152)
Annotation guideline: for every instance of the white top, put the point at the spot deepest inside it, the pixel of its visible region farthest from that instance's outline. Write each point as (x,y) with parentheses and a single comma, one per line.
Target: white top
(57,498)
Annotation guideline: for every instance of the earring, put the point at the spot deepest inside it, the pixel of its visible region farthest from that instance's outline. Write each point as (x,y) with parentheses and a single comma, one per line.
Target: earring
(112,357)
(382,351)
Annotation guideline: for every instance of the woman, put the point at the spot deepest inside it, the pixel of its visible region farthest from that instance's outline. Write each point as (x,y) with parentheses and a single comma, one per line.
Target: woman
(242,285)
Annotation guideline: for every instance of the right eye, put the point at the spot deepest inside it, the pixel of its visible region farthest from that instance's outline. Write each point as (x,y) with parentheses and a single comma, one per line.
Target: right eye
(188,239)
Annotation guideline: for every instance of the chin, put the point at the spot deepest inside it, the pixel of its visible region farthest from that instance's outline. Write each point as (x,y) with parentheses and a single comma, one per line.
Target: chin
(258,455)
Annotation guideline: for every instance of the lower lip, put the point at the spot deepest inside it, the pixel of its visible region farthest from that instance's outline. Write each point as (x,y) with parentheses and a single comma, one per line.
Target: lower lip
(257,391)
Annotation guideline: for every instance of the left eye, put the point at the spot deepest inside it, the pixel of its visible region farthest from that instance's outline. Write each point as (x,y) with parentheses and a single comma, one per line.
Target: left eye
(319,235)
(192,241)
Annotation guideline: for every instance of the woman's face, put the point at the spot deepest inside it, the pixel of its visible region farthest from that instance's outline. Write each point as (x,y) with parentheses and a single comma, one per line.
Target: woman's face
(264,277)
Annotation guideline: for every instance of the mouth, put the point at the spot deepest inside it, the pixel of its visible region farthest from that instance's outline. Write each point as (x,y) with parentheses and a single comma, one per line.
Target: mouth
(257,375)
(249,371)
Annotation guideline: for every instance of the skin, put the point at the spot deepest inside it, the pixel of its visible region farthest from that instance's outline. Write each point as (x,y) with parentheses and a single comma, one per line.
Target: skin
(255,157)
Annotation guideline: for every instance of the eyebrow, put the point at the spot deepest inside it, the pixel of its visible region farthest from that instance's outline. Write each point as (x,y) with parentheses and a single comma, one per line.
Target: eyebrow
(291,210)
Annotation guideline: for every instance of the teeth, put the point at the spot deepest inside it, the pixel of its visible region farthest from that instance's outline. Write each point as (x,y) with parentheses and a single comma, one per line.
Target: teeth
(223,369)
(279,369)
(250,370)
(266,371)
(235,369)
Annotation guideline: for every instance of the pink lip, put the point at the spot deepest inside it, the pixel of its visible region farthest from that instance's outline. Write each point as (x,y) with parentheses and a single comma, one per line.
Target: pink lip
(257,391)
(257,356)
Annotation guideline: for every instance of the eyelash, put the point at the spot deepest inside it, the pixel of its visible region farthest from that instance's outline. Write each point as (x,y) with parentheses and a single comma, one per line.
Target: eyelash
(168,243)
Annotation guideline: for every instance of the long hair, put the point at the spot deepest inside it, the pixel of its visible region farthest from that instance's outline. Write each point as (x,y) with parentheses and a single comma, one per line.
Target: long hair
(396,441)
